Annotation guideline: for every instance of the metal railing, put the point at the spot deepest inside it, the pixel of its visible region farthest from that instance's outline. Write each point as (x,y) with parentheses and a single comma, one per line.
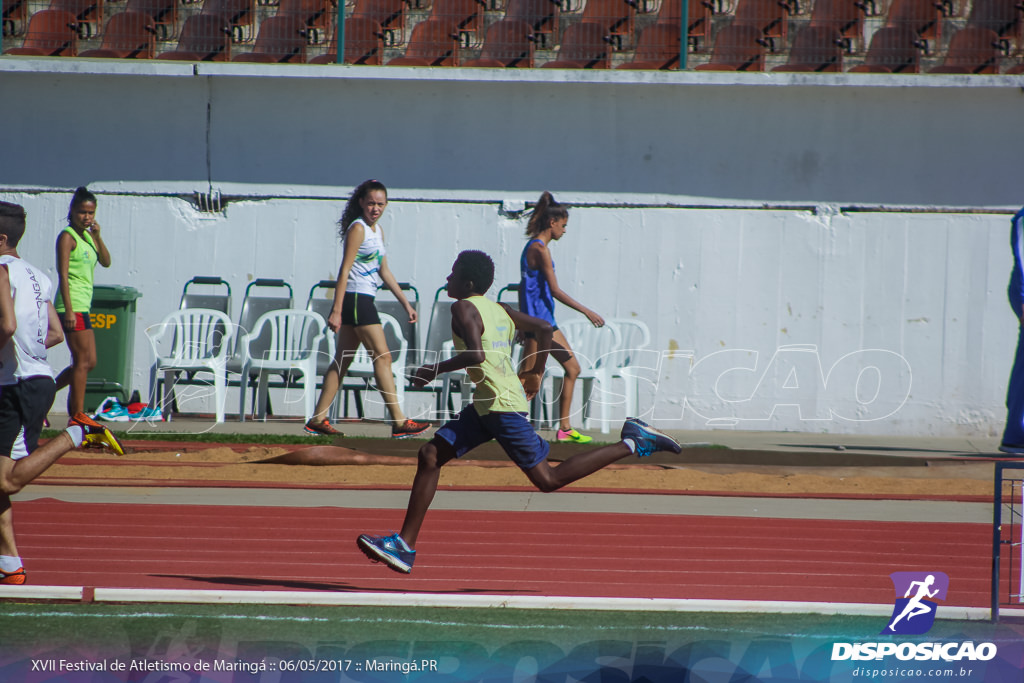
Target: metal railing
(1007,538)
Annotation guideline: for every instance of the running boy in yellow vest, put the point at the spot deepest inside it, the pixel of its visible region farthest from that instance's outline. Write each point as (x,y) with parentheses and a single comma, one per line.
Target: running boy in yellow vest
(483,332)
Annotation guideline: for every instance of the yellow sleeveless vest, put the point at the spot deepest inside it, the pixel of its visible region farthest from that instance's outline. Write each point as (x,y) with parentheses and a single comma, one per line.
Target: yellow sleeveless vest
(497,386)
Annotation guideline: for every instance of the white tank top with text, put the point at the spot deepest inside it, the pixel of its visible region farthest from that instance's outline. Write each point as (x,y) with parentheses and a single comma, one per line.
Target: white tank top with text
(25,354)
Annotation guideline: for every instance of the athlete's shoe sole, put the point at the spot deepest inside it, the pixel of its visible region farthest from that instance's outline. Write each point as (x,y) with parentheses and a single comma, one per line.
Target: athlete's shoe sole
(15,578)
(96,435)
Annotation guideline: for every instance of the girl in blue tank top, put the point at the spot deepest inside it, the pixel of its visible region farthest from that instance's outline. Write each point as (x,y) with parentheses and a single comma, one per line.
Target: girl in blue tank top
(538,290)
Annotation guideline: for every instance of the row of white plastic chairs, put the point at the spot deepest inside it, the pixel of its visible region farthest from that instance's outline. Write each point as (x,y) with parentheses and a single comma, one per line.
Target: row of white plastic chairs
(293,345)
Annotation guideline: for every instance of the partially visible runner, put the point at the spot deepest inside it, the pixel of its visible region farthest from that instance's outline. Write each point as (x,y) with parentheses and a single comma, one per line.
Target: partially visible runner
(483,333)
(79,249)
(538,290)
(29,325)
(364,266)
(1013,432)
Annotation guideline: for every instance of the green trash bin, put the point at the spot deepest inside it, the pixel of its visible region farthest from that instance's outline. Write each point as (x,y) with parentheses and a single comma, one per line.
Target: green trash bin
(113,323)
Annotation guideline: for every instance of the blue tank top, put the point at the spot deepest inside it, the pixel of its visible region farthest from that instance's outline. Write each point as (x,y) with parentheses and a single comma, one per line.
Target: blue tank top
(534,291)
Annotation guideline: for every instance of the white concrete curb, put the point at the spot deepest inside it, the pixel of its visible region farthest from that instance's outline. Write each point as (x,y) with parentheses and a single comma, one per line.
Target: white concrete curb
(238,597)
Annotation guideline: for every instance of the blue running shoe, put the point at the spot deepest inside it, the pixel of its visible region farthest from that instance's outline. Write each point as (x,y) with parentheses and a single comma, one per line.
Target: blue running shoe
(147,414)
(647,439)
(111,410)
(391,550)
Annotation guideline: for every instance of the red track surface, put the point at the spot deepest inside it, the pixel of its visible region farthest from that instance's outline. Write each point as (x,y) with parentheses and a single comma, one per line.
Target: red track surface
(518,553)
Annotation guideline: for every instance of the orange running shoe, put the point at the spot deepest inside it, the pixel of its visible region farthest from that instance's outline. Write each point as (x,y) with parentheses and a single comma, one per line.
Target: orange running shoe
(409,428)
(322,428)
(96,435)
(16,577)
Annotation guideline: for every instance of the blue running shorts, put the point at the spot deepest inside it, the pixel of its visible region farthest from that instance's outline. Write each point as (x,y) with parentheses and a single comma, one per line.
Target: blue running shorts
(512,430)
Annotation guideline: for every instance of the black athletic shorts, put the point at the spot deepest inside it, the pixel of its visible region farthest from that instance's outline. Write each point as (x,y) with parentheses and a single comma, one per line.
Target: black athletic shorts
(23,406)
(359,309)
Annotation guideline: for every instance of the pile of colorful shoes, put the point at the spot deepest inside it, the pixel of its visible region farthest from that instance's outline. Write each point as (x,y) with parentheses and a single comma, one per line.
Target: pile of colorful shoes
(111,410)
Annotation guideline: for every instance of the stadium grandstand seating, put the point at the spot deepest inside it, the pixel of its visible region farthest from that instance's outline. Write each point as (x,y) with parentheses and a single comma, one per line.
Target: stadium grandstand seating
(923,16)
(585,45)
(314,15)
(88,13)
(390,14)
(789,35)
(127,35)
(699,19)
(280,40)
(459,16)
(769,16)
(364,44)
(204,38)
(1002,16)
(15,12)
(50,33)
(669,19)
(893,49)
(738,47)
(657,48)
(432,43)
(845,16)
(616,17)
(542,15)
(815,48)
(509,43)
(972,50)
(163,12)
(240,14)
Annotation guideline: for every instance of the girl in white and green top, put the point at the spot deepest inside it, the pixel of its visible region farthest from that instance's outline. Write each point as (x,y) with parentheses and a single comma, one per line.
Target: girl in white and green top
(79,249)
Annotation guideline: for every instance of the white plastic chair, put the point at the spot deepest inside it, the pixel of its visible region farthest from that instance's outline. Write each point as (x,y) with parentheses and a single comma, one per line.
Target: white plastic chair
(362,364)
(632,359)
(190,340)
(288,346)
(448,379)
(592,347)
(438,347)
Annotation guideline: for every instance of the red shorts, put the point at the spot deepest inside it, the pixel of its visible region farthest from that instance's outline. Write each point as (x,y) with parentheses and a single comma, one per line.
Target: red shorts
(82,322)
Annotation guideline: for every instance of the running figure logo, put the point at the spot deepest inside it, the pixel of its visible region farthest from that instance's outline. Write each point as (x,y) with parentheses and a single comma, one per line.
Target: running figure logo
(914,611)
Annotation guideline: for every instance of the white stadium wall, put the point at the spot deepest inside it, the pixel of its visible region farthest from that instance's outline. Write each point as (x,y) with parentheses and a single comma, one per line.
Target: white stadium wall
(824,253)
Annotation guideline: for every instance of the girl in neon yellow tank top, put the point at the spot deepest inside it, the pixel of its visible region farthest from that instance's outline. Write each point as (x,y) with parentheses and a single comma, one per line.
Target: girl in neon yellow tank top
(79,249)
